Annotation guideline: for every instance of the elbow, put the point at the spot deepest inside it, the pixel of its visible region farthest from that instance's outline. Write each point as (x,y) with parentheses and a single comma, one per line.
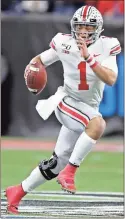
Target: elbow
(112,81)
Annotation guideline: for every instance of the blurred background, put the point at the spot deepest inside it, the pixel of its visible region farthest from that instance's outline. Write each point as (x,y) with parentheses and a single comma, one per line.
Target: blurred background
(27,29)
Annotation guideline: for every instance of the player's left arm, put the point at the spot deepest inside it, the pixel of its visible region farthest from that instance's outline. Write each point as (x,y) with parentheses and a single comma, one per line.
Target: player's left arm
(107,71)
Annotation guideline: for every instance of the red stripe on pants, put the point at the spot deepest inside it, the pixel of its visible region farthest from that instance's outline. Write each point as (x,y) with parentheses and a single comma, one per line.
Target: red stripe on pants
(72,113)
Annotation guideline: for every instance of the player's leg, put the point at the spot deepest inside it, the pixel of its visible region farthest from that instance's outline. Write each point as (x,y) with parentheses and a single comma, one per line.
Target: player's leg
(83,146)
(45,171)
(64,147)
(87,140)
(49,169)
(91,132)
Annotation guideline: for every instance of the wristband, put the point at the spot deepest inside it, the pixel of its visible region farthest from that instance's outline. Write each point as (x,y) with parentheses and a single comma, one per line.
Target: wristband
(91,61)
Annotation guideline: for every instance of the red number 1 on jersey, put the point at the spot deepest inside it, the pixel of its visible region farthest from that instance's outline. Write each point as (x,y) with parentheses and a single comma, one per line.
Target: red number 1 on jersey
(83,84)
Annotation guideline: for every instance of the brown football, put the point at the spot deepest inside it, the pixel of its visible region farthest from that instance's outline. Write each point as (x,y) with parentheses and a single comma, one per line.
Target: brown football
(36,78)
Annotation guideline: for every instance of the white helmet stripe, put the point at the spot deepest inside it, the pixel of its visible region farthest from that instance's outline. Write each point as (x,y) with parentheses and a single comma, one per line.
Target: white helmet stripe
(85,11)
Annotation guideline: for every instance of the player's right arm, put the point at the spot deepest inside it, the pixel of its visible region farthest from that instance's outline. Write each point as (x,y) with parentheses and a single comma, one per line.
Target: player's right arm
(46,58)
(49,56)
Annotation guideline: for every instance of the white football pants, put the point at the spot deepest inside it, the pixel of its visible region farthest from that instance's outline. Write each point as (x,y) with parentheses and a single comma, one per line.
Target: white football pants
(74,117)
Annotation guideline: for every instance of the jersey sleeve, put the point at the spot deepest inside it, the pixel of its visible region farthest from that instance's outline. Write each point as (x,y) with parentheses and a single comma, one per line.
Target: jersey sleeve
(55,42)
(49,56)
(52,55)
(111,63)
(114,47)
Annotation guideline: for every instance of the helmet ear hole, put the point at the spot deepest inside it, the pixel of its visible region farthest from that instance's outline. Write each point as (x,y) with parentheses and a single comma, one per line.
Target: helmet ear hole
(75,19)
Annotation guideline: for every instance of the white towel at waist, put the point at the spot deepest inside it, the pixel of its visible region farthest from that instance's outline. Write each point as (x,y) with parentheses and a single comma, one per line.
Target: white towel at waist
(46,107)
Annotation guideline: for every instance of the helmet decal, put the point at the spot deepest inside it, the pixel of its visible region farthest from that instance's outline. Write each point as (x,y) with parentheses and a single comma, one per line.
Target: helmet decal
(85,11)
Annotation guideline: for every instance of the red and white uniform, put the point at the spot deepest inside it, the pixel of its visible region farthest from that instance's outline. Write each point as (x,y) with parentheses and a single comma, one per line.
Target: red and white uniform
(84,89)
(80,81)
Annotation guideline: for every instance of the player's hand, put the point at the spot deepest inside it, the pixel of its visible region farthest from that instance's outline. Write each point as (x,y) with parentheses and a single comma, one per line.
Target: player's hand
(27,71)
(82,47)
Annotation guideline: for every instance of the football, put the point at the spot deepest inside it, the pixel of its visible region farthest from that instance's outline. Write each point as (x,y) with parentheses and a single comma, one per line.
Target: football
(36,77)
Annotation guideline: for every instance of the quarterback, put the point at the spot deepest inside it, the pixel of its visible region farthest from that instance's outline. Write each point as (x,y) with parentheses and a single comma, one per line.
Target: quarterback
(89,62)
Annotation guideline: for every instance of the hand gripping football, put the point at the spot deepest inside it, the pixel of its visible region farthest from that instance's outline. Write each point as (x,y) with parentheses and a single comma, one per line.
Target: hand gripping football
(35,77)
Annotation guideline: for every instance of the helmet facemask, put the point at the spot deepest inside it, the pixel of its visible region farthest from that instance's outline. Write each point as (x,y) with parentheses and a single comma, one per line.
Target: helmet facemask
(89,36)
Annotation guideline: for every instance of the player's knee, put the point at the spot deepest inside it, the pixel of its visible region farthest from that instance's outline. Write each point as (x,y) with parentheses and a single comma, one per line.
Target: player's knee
(46,167)
(102,124)
(99,125)
(96,127)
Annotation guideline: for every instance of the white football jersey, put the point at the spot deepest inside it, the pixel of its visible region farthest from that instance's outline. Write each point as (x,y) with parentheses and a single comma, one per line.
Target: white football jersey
(80,82)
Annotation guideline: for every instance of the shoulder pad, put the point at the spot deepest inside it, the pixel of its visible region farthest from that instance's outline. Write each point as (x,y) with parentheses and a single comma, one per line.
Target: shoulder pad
(112,45)
(58,39)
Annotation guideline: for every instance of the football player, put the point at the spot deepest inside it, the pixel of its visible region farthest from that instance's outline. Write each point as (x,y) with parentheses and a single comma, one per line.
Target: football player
(89,62)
